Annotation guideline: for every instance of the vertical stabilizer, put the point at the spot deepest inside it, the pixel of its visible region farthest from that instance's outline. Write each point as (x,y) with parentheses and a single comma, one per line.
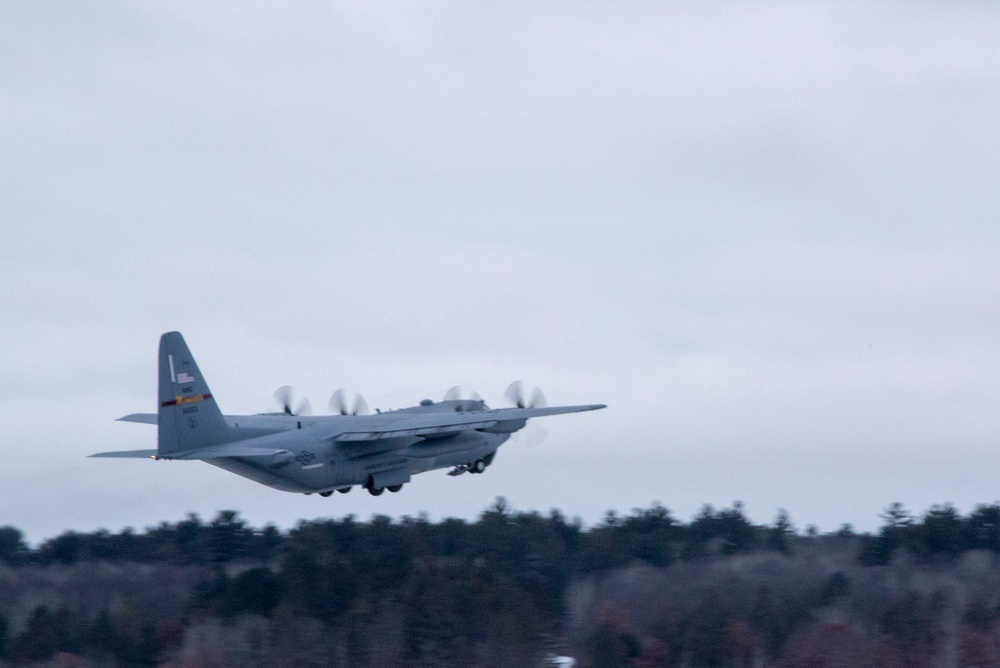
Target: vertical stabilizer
(188,418)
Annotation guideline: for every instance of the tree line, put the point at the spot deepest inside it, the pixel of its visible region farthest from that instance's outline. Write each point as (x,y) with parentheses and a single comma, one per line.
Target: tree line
(509,588)
(651,535)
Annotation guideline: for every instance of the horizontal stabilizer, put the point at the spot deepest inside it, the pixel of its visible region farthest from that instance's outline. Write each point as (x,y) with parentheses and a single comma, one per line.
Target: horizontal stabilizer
(128,454)
(145,418)
(228,450)
(212,452)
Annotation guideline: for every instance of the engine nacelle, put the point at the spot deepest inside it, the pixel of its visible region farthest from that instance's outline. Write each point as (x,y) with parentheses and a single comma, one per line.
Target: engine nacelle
(280,460)
(505,426)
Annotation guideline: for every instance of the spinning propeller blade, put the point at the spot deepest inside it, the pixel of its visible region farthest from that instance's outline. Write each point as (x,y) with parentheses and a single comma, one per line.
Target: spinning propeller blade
(522,395)
(462,393)
(346,403)
(285,396)
(532,435)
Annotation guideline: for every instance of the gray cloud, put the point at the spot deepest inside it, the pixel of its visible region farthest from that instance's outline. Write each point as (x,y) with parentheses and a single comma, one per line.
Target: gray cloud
(764,235)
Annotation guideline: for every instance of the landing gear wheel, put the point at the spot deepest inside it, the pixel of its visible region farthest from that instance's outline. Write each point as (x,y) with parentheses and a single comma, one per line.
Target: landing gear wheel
(477,466)
(326,493)
(343,490)
(394,488)
(375,491)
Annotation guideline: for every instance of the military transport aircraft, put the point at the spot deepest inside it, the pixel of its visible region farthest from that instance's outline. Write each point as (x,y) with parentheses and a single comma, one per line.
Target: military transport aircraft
(294,452)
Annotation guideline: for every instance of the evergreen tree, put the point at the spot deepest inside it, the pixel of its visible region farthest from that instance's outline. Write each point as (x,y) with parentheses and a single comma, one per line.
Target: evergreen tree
(4,637)
(46,633)
(942,531)
(778,535)
(13,549)
(983,528)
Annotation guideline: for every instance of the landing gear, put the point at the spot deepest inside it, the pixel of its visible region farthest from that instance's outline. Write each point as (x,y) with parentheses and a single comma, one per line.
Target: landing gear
(343,490)
(394,488)
(477,466)
(375,491)
(328,493)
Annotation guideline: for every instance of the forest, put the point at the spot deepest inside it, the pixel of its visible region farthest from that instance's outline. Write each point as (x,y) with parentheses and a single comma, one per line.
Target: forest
(511,588)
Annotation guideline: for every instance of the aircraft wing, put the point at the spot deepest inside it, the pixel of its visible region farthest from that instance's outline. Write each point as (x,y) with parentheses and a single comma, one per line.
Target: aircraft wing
(389,425)
(127,454)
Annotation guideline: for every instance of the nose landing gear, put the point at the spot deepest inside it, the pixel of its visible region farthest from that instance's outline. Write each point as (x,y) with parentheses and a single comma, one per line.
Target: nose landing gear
(477,466)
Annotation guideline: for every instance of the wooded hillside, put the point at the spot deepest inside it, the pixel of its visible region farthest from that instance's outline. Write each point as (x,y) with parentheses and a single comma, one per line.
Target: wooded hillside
(509,589)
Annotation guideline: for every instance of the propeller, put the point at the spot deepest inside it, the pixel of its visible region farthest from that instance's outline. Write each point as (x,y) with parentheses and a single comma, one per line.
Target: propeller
(532,435)
(522,395)
(346,403)
(467,398)
(285,396)
(462,393)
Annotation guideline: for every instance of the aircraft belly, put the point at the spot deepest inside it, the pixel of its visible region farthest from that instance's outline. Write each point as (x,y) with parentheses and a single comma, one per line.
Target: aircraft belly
(309,468)
(323,469)
(247,468)
(357,470)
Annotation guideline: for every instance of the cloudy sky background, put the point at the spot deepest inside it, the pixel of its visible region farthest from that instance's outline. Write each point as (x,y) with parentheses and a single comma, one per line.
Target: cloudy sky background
(764,234)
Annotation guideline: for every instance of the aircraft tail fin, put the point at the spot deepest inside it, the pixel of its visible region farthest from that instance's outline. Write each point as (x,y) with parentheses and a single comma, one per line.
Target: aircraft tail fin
(188,416)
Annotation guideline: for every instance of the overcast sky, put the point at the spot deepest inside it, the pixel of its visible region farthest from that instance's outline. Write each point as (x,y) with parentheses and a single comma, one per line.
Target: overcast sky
(765,234)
